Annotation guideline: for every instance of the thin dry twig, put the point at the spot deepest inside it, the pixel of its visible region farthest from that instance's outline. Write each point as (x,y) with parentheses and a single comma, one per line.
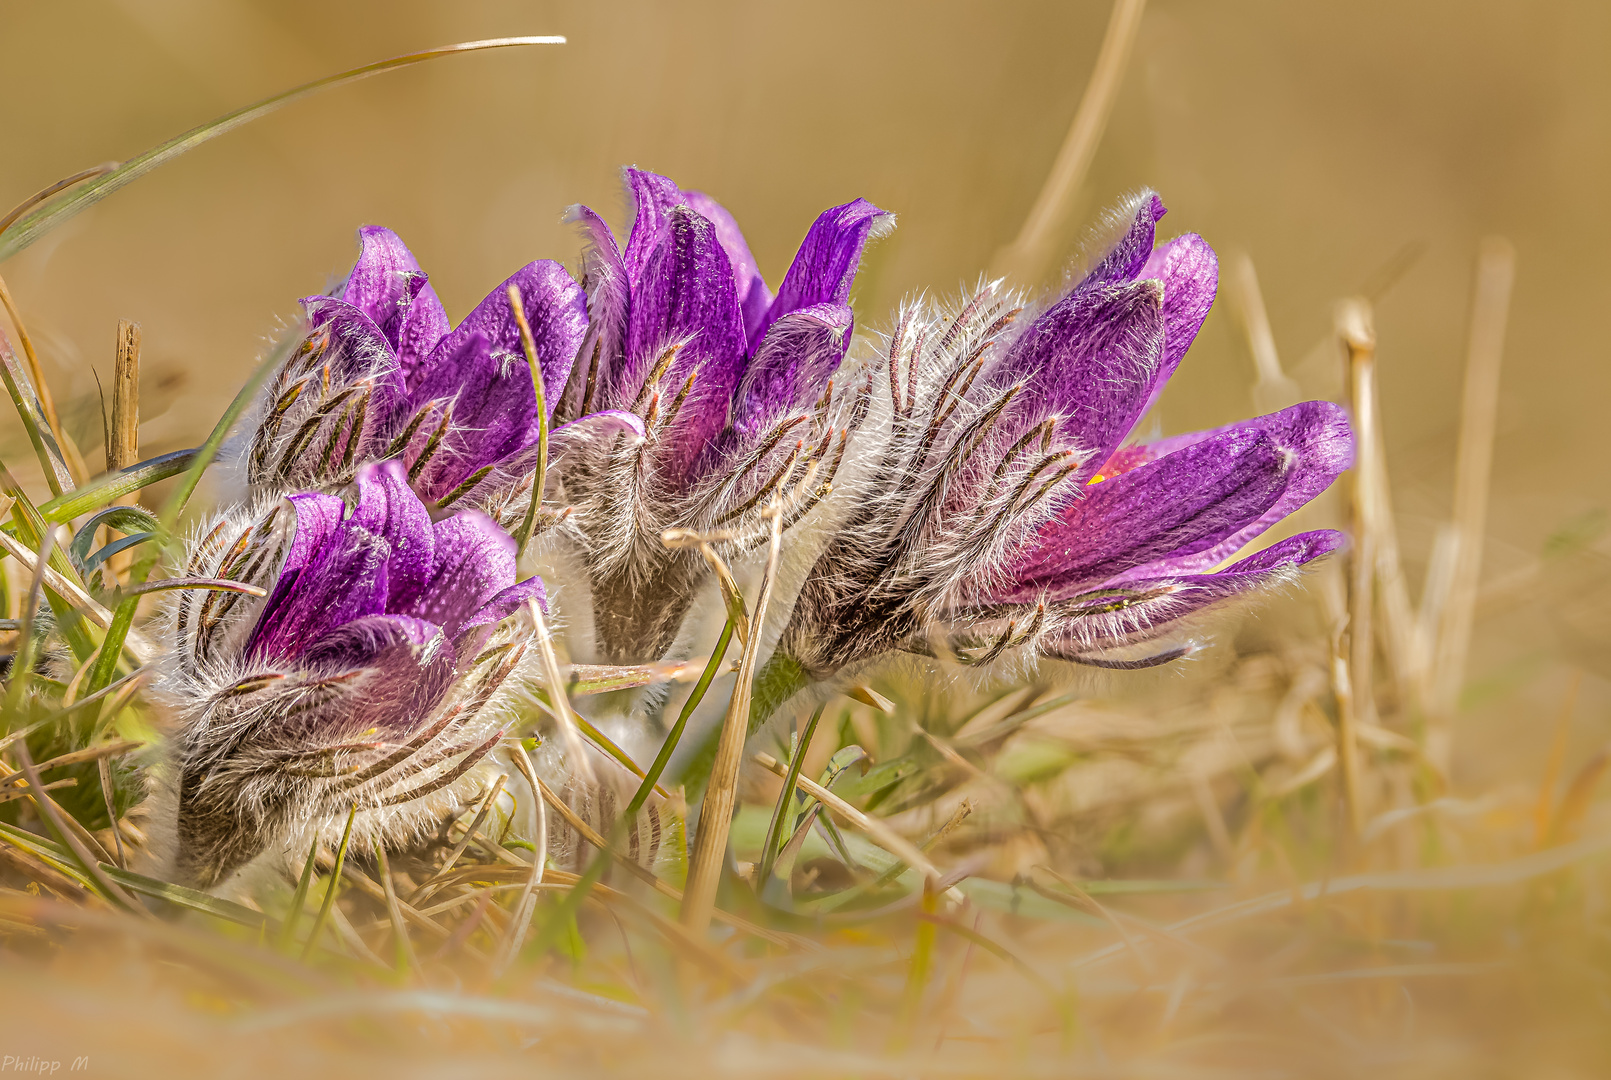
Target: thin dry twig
(1479,411)
(1027,255)
(715,815)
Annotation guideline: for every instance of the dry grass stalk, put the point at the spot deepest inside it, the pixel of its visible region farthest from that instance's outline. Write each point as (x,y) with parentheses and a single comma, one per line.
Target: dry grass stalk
(1026,257)
(123,426)
(1479,411)
(575,748)
(1358,336)
(47,403)
(715,815)
(1273,389)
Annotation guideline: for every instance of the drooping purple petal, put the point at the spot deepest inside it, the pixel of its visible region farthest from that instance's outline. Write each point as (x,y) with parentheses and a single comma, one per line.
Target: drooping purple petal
(316,518)
(475,560)
(754,298)
(501,606)
(1189,510)
(825,266)
(1091,359)
(687,293)
(800,353)
(557,311)
(358,349)
(653,199)
(359,642)
(1152,608)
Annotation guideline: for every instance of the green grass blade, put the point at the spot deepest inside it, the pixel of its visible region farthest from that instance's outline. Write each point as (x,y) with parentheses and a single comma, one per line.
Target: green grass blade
(32,226)
(330,890)
(186,898)
(288,928)
(113,486)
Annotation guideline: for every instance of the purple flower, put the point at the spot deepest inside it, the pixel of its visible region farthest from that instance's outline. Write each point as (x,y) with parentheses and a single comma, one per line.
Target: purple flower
(742,394)
(363,677)
(1007,515)
(381,375)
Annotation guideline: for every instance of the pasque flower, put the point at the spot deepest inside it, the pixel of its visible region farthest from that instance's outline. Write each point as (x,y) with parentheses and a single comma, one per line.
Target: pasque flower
(380,375)
(741,394)
(370,675)
(1006,515)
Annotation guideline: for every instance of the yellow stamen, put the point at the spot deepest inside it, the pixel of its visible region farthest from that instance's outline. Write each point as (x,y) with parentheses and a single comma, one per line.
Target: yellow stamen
(1097,479)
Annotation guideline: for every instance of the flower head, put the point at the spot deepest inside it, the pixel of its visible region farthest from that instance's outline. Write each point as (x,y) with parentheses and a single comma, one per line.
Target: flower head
(1008,515)
(741,393)
(381,375)
(363,677)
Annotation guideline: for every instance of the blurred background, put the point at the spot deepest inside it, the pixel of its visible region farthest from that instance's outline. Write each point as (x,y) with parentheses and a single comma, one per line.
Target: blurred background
(1351,148)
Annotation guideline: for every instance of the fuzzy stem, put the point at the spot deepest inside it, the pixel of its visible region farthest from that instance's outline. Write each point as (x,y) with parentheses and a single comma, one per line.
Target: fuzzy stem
(780,678)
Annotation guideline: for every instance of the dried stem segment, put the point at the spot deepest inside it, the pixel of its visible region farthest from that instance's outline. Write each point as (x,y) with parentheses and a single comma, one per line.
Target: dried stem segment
(1359,340)
(1496,272)
(123,426)
(1355,649)
(1027,254)
(715,816)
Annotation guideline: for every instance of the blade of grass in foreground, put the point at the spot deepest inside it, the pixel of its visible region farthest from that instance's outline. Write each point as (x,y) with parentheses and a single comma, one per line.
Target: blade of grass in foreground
(30,227)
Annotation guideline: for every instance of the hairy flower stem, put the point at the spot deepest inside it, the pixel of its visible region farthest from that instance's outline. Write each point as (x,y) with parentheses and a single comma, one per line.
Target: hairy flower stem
(779,680)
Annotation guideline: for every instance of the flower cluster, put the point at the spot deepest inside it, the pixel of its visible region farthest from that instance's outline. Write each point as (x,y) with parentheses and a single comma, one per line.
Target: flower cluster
(740,393)
(1007,513)
(367,675)
(969,478)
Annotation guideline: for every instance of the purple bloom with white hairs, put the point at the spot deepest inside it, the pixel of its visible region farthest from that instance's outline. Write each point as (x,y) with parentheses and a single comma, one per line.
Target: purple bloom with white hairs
(1007,515)
(742,394)
(381,375)
(363,677)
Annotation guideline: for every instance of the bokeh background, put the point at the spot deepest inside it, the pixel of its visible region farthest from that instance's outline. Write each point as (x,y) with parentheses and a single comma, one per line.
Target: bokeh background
(1345,148)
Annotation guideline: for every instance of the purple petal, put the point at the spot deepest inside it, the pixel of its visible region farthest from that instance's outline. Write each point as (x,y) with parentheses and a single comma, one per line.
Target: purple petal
(316,519)
(653,197)
(1090,359)
(494,413)
(1189,510)
(1124,260)
(384,281)
(345,580)
(358,349)
(754,298)
(388,509)
(1151,608)
(609,297)
(557,311)
(1189,271)
(475,561)
(687,292)
(359,642)
(473,634)
(800,353)
(409,669)
(826,264)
